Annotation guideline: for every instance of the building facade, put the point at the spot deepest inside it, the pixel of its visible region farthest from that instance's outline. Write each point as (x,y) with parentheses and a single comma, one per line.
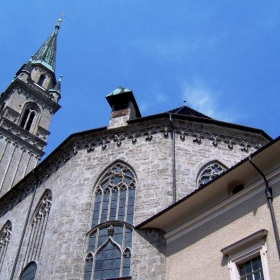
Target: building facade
(90,209)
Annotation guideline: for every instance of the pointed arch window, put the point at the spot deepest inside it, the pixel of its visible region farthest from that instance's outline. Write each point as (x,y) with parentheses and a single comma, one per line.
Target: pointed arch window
(5,235)
(210,172)
(110,239)
(28,117)
(2,106)
(29,272)
(38,227)
(41,79)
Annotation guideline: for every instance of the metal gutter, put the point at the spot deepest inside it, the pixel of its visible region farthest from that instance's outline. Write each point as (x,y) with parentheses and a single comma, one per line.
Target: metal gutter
(173,160)
(269,197)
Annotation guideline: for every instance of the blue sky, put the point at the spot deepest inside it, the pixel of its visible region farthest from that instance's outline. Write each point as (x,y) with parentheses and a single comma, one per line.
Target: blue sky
(222,57)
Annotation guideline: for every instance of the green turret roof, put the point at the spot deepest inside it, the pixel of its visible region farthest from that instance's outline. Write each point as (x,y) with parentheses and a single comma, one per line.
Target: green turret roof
(47,53)
(118,90)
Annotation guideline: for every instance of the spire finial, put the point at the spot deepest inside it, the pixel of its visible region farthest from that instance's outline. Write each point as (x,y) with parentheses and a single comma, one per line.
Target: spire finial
(62,15)
(185,102)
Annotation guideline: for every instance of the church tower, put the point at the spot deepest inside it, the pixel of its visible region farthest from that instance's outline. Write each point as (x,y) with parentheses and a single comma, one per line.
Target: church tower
(26,110)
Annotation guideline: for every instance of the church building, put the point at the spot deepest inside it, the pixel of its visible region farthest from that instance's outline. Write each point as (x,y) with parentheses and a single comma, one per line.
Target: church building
(176,195)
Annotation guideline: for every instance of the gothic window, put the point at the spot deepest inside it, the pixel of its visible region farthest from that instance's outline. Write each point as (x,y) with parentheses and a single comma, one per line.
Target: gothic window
(29,272)
(5,235)
(38,227)
(41,80)
(110,239)
(210,172)
(28,117)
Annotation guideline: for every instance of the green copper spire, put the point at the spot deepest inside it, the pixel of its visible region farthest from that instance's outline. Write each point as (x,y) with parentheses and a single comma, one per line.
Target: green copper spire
(47,53)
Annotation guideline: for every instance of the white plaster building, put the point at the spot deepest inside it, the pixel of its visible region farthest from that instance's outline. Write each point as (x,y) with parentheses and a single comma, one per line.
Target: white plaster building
(167,196)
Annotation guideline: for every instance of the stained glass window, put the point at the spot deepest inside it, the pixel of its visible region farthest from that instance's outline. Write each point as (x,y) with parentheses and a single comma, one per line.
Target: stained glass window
(38,227)
(5,235)
(209,173)
(29,272)
(110,241)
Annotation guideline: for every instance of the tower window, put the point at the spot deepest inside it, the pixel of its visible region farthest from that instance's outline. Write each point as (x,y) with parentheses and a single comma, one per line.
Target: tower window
(41,80)
(28,119)
(2,106)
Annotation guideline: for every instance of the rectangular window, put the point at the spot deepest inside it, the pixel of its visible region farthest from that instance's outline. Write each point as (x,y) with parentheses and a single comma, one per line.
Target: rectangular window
(247,258)
(251,269)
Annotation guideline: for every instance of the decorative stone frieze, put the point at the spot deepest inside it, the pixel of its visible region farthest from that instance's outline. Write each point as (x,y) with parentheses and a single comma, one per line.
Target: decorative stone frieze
(146,134)
(119,138)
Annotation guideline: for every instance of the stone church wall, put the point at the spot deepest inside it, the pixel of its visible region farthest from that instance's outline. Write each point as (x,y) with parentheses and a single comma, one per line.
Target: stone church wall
(72,181)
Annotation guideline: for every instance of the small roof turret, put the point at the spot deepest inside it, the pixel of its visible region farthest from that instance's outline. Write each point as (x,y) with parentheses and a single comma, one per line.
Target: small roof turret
(124,107)
(120,96)
(57,86)
(118,91)
(56,89)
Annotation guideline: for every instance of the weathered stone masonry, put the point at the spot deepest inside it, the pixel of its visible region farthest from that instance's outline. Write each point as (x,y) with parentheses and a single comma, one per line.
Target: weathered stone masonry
(72,172)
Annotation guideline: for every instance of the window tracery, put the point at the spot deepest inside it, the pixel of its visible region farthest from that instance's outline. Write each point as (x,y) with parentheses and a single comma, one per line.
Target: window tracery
(38,227)
(5,235)
(110,240)
(209,173)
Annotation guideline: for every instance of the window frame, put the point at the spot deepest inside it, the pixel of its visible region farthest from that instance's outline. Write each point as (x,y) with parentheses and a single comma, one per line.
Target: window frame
(29,117)
(246,249)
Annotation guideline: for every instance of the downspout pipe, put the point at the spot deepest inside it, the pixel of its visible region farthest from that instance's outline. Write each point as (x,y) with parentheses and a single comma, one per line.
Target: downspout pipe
(173,160)
(25,224)
(268,193)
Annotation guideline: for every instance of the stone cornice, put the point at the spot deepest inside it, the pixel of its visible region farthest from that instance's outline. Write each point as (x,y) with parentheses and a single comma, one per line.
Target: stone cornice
(11,131)
(101,138)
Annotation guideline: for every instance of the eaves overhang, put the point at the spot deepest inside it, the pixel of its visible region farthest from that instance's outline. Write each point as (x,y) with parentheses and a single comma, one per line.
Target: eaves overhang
(216,191)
